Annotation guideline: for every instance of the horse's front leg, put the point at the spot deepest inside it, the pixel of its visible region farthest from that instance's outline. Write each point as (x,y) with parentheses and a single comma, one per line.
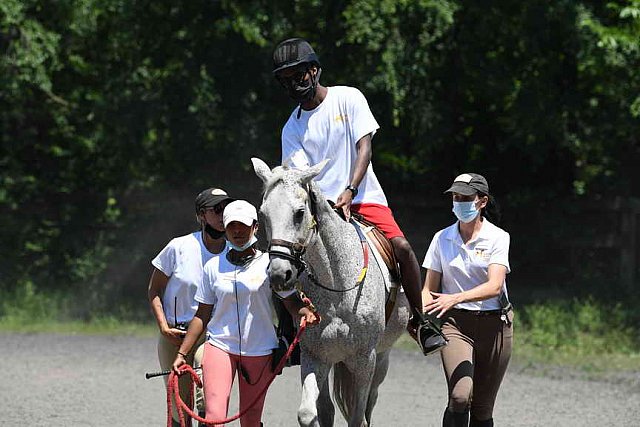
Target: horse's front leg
(314,375)
(362,369)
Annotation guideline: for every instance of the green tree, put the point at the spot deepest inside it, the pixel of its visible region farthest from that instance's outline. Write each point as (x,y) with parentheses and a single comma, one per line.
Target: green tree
(106,104)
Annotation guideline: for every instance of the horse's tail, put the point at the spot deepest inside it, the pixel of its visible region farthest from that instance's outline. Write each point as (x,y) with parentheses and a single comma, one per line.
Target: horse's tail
(343,389)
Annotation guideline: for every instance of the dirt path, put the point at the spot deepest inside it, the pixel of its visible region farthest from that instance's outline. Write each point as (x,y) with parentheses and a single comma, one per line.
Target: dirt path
(58,380)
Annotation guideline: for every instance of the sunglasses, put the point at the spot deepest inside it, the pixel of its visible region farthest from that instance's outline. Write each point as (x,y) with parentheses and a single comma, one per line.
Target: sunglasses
(217,209)
(296,77)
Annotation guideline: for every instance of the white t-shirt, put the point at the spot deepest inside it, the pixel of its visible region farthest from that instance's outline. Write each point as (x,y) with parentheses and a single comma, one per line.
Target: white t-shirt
(249,316)
(182,260)
(331,131)
(464,267)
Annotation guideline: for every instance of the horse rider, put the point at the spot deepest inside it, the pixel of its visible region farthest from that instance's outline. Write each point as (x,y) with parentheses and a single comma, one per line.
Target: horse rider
(336,123)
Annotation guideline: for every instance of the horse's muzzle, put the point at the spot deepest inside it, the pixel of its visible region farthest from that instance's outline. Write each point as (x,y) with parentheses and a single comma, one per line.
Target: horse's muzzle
(282,275)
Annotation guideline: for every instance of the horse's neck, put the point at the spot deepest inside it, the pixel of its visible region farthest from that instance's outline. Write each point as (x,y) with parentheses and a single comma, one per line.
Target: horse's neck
(335,250)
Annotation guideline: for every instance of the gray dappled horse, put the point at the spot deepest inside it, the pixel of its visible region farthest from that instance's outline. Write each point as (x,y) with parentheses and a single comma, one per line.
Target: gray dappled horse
(303,229)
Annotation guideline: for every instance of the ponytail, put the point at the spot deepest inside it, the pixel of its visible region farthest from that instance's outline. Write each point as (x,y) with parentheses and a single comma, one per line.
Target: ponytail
(492,210)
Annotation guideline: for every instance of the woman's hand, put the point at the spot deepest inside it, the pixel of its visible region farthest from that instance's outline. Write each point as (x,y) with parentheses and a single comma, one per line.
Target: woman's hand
(175,336)
(442,303)
(179,361)
(310,316)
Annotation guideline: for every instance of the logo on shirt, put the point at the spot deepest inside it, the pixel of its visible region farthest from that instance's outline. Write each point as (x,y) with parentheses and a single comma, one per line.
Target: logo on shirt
(482,253)
(341,118)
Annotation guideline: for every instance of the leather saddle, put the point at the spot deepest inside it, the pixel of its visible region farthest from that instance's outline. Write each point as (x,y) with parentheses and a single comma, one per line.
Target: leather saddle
(382,244)
(385,249)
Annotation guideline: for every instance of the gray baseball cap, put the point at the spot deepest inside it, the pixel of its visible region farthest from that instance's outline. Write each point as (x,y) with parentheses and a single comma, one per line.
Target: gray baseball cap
(469,184)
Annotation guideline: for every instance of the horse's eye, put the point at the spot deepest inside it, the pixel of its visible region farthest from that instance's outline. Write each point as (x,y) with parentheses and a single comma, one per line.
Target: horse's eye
(297,217)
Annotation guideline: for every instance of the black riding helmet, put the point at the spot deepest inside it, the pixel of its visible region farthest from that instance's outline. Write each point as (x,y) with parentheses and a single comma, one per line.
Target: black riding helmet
(292,52)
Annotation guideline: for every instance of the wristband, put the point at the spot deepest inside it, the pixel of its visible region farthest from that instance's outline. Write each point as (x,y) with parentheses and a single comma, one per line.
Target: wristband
(182,354)
(354,190)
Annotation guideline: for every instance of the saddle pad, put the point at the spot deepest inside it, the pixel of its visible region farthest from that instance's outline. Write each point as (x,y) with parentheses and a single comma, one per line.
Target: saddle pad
(390,279)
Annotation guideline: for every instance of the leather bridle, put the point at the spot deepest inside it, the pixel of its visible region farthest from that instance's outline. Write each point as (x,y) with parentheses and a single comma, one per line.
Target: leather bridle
(296,250)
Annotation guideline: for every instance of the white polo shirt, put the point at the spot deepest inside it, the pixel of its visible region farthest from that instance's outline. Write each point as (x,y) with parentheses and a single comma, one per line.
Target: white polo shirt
(249,316)
(182,260)
(331,131)
(465,266)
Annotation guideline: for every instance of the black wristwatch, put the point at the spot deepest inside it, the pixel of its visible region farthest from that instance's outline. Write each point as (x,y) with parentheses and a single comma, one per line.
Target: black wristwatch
(354,190)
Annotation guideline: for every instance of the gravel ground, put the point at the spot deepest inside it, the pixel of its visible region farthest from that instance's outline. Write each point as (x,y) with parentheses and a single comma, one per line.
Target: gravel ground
(60,380)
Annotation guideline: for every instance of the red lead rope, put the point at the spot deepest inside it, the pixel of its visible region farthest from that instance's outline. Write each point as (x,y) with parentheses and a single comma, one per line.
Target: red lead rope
(173,391)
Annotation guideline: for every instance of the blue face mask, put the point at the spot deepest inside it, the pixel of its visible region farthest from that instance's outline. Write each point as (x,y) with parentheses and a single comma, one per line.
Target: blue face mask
(465,211)
(246,246)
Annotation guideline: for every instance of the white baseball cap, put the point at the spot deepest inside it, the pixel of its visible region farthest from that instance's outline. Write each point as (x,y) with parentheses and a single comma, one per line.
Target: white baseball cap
(241,211)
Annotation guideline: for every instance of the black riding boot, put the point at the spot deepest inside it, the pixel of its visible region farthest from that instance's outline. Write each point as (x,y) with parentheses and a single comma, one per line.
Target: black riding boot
(483,423)
(455,419)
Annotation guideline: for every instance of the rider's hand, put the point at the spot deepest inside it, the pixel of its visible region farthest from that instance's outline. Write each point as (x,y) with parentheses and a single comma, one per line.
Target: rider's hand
(174,335)
(310,316)
(344,202)
(178,361)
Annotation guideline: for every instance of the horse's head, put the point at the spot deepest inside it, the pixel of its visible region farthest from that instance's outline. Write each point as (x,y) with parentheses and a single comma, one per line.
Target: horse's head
(288,216)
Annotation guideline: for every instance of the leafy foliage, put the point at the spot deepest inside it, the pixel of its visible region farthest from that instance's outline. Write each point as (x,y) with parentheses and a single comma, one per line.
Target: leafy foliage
(106,104)
(597,336)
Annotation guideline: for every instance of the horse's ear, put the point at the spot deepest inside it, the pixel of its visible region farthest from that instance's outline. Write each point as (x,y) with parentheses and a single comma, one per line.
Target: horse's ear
(310,173)
(261,169)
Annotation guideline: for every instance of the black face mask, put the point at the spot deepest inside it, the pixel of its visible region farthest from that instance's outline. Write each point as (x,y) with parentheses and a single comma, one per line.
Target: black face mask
(212,232)
(303,90)
(239,260)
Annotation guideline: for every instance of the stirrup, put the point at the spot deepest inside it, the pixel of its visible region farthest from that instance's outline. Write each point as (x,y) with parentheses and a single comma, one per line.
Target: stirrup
(429,335)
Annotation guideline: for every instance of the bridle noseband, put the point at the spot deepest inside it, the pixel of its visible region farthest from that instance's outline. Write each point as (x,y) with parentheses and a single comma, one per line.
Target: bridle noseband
(296,249)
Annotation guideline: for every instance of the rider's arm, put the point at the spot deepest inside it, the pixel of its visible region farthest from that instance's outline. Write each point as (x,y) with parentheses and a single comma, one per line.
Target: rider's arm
(363,146)
(362,161)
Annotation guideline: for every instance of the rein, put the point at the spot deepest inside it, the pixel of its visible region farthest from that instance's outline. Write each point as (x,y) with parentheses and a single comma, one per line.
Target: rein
(365,267)
(173,390)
